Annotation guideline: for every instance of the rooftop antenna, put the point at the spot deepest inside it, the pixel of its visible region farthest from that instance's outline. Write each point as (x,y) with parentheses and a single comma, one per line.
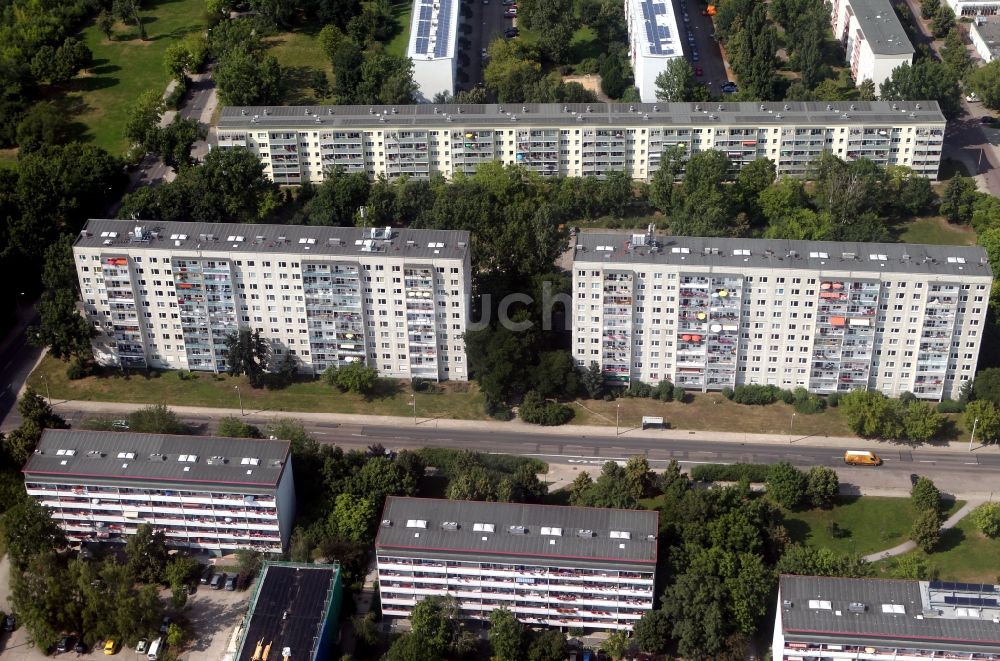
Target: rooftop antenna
(363,213)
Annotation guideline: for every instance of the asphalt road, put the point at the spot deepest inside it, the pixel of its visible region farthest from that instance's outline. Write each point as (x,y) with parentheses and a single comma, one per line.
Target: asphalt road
(710,57)
(953,471)
(16,360)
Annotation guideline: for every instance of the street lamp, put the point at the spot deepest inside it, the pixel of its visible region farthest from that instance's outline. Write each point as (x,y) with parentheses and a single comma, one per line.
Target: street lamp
(974,423)
(47,395)
(413,403)
(791,424)
(240,395)
(618,409)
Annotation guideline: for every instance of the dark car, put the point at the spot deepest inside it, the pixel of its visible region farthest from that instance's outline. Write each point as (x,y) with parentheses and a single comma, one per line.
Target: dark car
(730,88)
(231,582)
(217,581)
(65,644)
(206,575)
(80,648)
(10,622)
(165,625)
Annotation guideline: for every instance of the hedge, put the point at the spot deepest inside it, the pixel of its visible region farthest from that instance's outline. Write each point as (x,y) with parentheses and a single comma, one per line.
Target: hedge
(730,472)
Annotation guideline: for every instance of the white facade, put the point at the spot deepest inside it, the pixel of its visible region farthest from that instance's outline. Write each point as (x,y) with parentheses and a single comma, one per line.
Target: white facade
(578,140)
(653,42)
(985,38)
(975,7)
(433,46)
(166,295)
(873,38)
(99,491)
(707,314)
(492,555)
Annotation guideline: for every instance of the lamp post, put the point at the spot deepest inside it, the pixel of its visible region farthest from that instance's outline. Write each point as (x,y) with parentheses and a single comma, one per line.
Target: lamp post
(413,403)
(240,395)
(618,410)
(791,424)
(974,423)
(48,396)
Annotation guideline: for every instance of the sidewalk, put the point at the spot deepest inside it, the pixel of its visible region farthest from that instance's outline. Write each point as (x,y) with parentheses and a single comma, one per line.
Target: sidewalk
(519,427)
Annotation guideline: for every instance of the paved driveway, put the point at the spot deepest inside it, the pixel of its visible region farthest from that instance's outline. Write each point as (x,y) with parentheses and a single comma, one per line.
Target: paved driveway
(710,56)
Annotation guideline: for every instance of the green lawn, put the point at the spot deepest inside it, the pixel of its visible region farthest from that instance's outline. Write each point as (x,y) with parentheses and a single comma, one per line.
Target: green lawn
(401,10)
(937,230)
(964,554)
(448,400)
(124,68)
(299,54)
(868,524)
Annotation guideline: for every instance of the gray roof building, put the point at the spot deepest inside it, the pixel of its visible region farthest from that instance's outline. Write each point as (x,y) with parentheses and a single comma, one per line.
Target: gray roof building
(452,116)
(504,530)
(117,457)
(740,254)
(178,237)
(941,616)
(882,28)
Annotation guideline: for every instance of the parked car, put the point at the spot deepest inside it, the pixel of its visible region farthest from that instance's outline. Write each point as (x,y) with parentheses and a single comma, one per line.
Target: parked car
(231,582)
(511,32)
(730,88)
(698,71)
(140,647)
(111,646)
(510,12)
(217,581)
(10,622)
(65,644)
(483,53)
(120,425)
(165,625)
(971,97)
(80,648)
(206,575)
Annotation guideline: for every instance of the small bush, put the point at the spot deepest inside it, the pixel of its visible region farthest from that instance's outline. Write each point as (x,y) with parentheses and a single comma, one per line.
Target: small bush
(176,98)
(809,405)
(925,495)
(907,396)
(987,519)
(950,406)
(537,411)
(639,389)
(926,530)
(186,375)
(727,392)
(755,394)
(420,384)
(833,400)
(75,371)
(680,395)
(730,472)
(664,391)
(587,65)
(787,396)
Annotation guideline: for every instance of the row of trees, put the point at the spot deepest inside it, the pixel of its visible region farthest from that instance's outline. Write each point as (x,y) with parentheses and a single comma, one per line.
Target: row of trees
(871,414)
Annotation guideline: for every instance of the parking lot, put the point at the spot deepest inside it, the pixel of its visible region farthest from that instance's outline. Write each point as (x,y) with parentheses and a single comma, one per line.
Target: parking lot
(709,55)
(211,615)
(479,23)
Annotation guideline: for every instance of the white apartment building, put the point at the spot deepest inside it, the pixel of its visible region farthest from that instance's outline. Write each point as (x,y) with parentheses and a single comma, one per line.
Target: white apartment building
(710,313)
(433,46)
(985,37)
(214,494)
(873,37)
(653,41)
(166,295)
(975,7)
(298,144)
(868,619)
(557,566)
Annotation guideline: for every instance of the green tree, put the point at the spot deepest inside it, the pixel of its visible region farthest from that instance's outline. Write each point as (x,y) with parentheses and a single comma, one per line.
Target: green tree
(921,422)
(555,21)
(381,477)
(106,24)
(663,184)
(247,78)
(611,489)
(580,485)
(28,529)
(233,427)
(652,631)
(929,8)
(870,414)
(958,199)
(909,567)
(616,645)
(43,124)
(926,530)
(247,354)
(127,11)
(178,574)
(985,82)
(436,624)
(639,476)
(173,142)
(36,411)
(592,380)
(61,327)
(146,554)
(944,20)
(506,636)
(811,561)
(555,375)
(822,486)
(156,419)
(178,61)
(676,82)
(867,91)
(143,117)
(356,377)
(986,517)
(985,416)
(955,54)
(987,385)
(352,518)
(927,78)
(337,199)
(547,645)
(925,495)
(786,484)
(703,203)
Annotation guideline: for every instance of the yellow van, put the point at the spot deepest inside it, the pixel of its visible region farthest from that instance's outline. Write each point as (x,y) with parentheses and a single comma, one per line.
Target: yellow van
(862,458)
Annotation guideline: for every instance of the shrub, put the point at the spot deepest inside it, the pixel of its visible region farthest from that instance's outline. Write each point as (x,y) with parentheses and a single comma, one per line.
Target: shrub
(176,97)
(987,519)
(926,530)
(947,405)
(75,370)
(639,389)
(420,384)
(539,412)
(586,66)
(833,401)
(727,392)
(730,472)
(664,391)
(925,496)
(822,486)
(755,394)
(787,396)
(680,395)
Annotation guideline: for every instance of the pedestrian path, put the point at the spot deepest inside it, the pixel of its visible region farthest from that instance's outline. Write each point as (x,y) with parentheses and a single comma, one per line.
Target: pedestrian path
(910,545)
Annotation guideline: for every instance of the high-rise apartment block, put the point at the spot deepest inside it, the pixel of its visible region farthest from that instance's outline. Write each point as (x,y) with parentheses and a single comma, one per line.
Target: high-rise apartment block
(433,46)
(873,39)
(653,41)
(867,619)
(711,313)
(214,494)
(298,144)
(585,567)
(167,295)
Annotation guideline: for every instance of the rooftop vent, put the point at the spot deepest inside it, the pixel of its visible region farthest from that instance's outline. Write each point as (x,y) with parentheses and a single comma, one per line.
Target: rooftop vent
(517,530)
(857,607)
(449,525)
(620,534)
(483,527)
(557,532)
(416,523)
(386,523)
(585,533)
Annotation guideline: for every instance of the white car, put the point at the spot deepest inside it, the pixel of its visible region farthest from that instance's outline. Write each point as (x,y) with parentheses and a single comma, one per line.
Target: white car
(971,97)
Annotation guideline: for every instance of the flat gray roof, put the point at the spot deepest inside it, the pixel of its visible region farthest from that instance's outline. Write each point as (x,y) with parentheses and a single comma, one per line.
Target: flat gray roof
(818,609)
(655,28)
(738,254)
(521,530)
(881,26)
(354,242)
(445,116)
(989,32)
(64,454)
(437,20)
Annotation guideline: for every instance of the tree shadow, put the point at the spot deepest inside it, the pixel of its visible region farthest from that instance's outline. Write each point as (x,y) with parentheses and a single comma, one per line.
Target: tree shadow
(104,69)
(798,530)
(296,83)
(72,106)
(385,389)
(432,486)
(92,83)
(950,539)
